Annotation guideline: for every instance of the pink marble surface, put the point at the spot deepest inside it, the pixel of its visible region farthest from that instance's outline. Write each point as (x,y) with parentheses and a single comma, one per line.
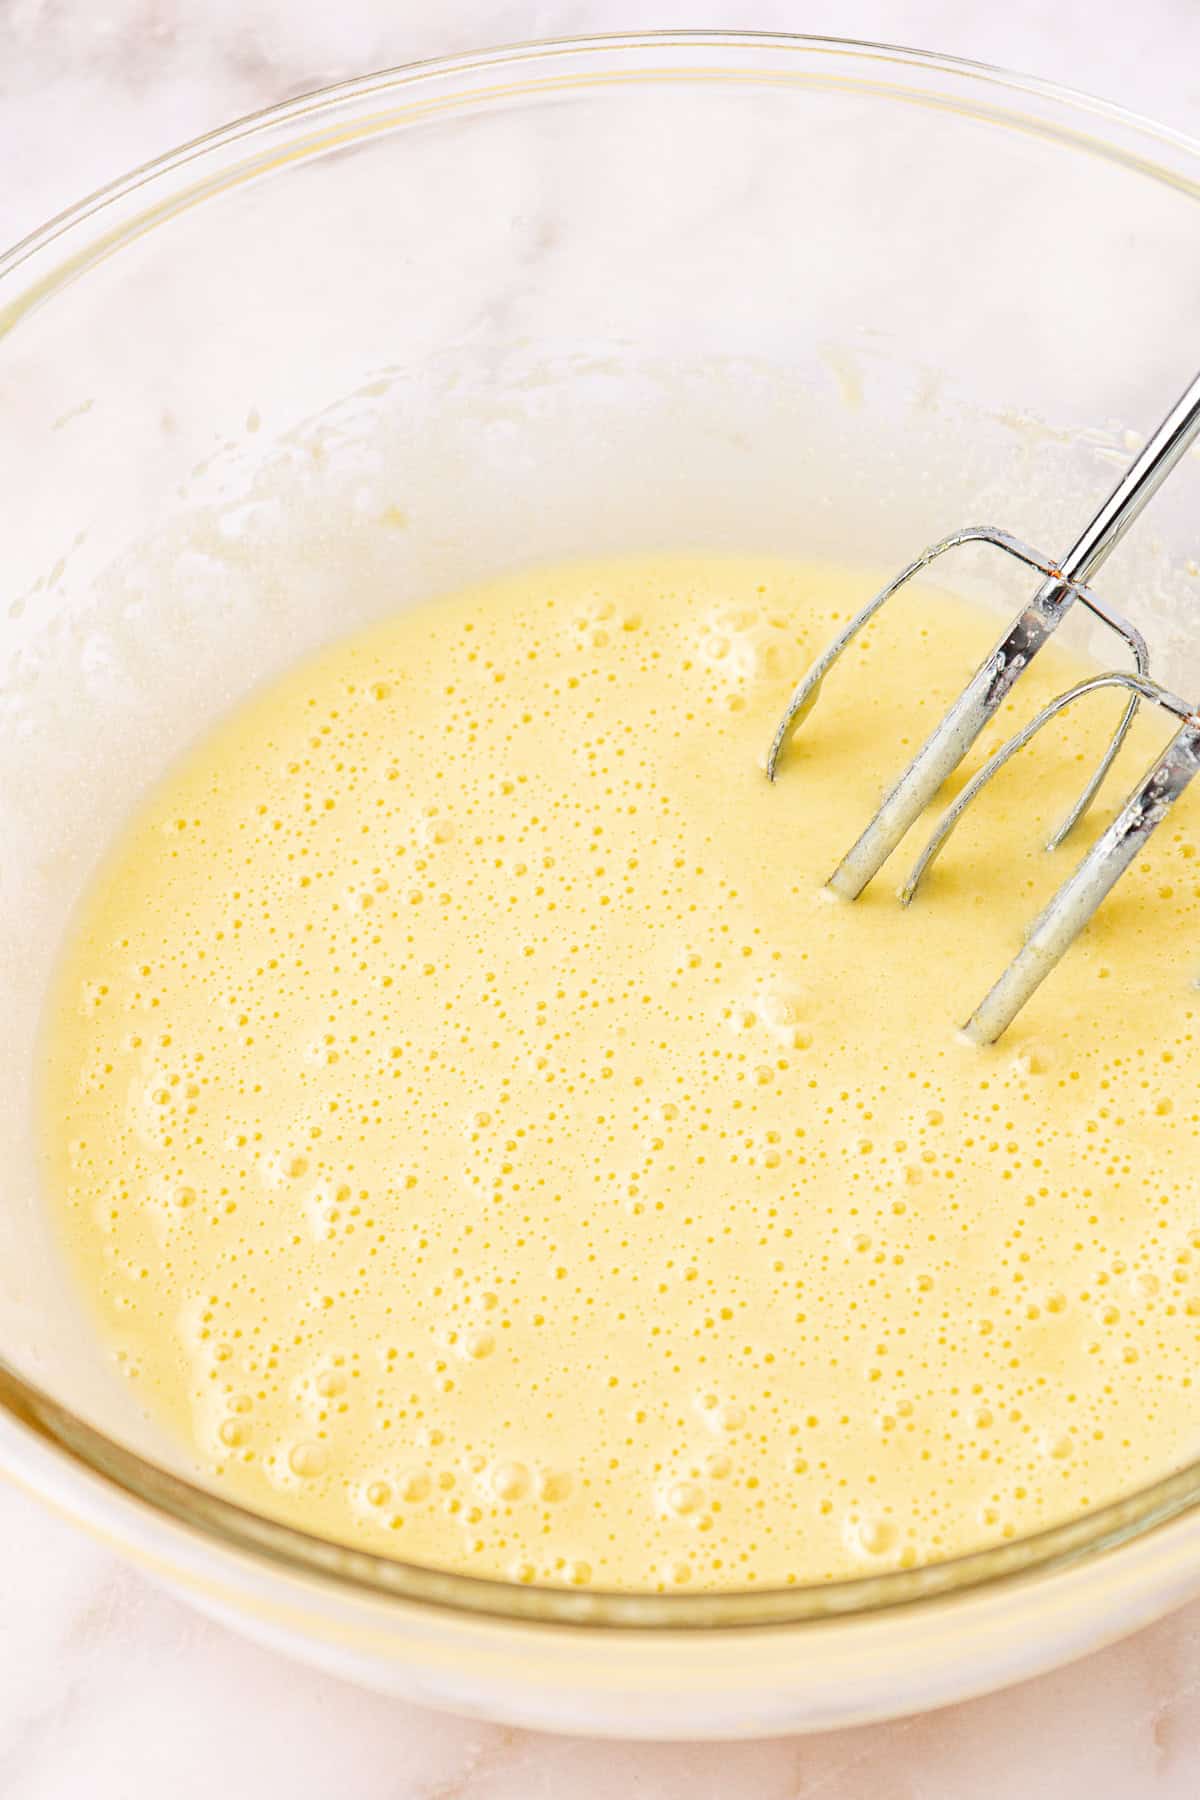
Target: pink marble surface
(109,1689)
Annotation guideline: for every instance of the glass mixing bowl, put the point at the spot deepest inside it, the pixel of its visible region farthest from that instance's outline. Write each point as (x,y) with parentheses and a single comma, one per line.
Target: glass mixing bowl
(674,291)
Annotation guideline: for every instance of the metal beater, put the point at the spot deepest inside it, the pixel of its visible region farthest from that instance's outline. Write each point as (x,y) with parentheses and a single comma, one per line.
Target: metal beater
(1065,582)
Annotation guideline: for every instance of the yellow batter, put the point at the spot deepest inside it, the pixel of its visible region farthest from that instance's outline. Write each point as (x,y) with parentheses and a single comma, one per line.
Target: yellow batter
(484,1143)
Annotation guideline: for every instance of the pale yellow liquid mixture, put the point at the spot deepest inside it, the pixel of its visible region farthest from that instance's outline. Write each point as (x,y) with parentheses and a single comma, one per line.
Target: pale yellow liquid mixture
(484,1143)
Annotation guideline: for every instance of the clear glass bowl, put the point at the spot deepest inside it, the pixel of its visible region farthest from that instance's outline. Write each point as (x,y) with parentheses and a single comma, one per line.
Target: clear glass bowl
(677,290)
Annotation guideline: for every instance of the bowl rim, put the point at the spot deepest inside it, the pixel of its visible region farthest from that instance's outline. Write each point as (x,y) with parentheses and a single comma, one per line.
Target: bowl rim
(1155,150)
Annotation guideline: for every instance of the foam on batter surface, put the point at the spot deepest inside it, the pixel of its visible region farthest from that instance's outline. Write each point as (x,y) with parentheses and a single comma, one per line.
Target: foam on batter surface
(483,1143)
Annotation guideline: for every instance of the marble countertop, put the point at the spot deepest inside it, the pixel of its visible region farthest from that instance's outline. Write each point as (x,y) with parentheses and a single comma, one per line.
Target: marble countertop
(109,1688)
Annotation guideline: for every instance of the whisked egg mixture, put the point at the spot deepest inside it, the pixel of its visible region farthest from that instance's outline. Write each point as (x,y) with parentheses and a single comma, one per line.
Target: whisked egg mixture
(483,1143)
